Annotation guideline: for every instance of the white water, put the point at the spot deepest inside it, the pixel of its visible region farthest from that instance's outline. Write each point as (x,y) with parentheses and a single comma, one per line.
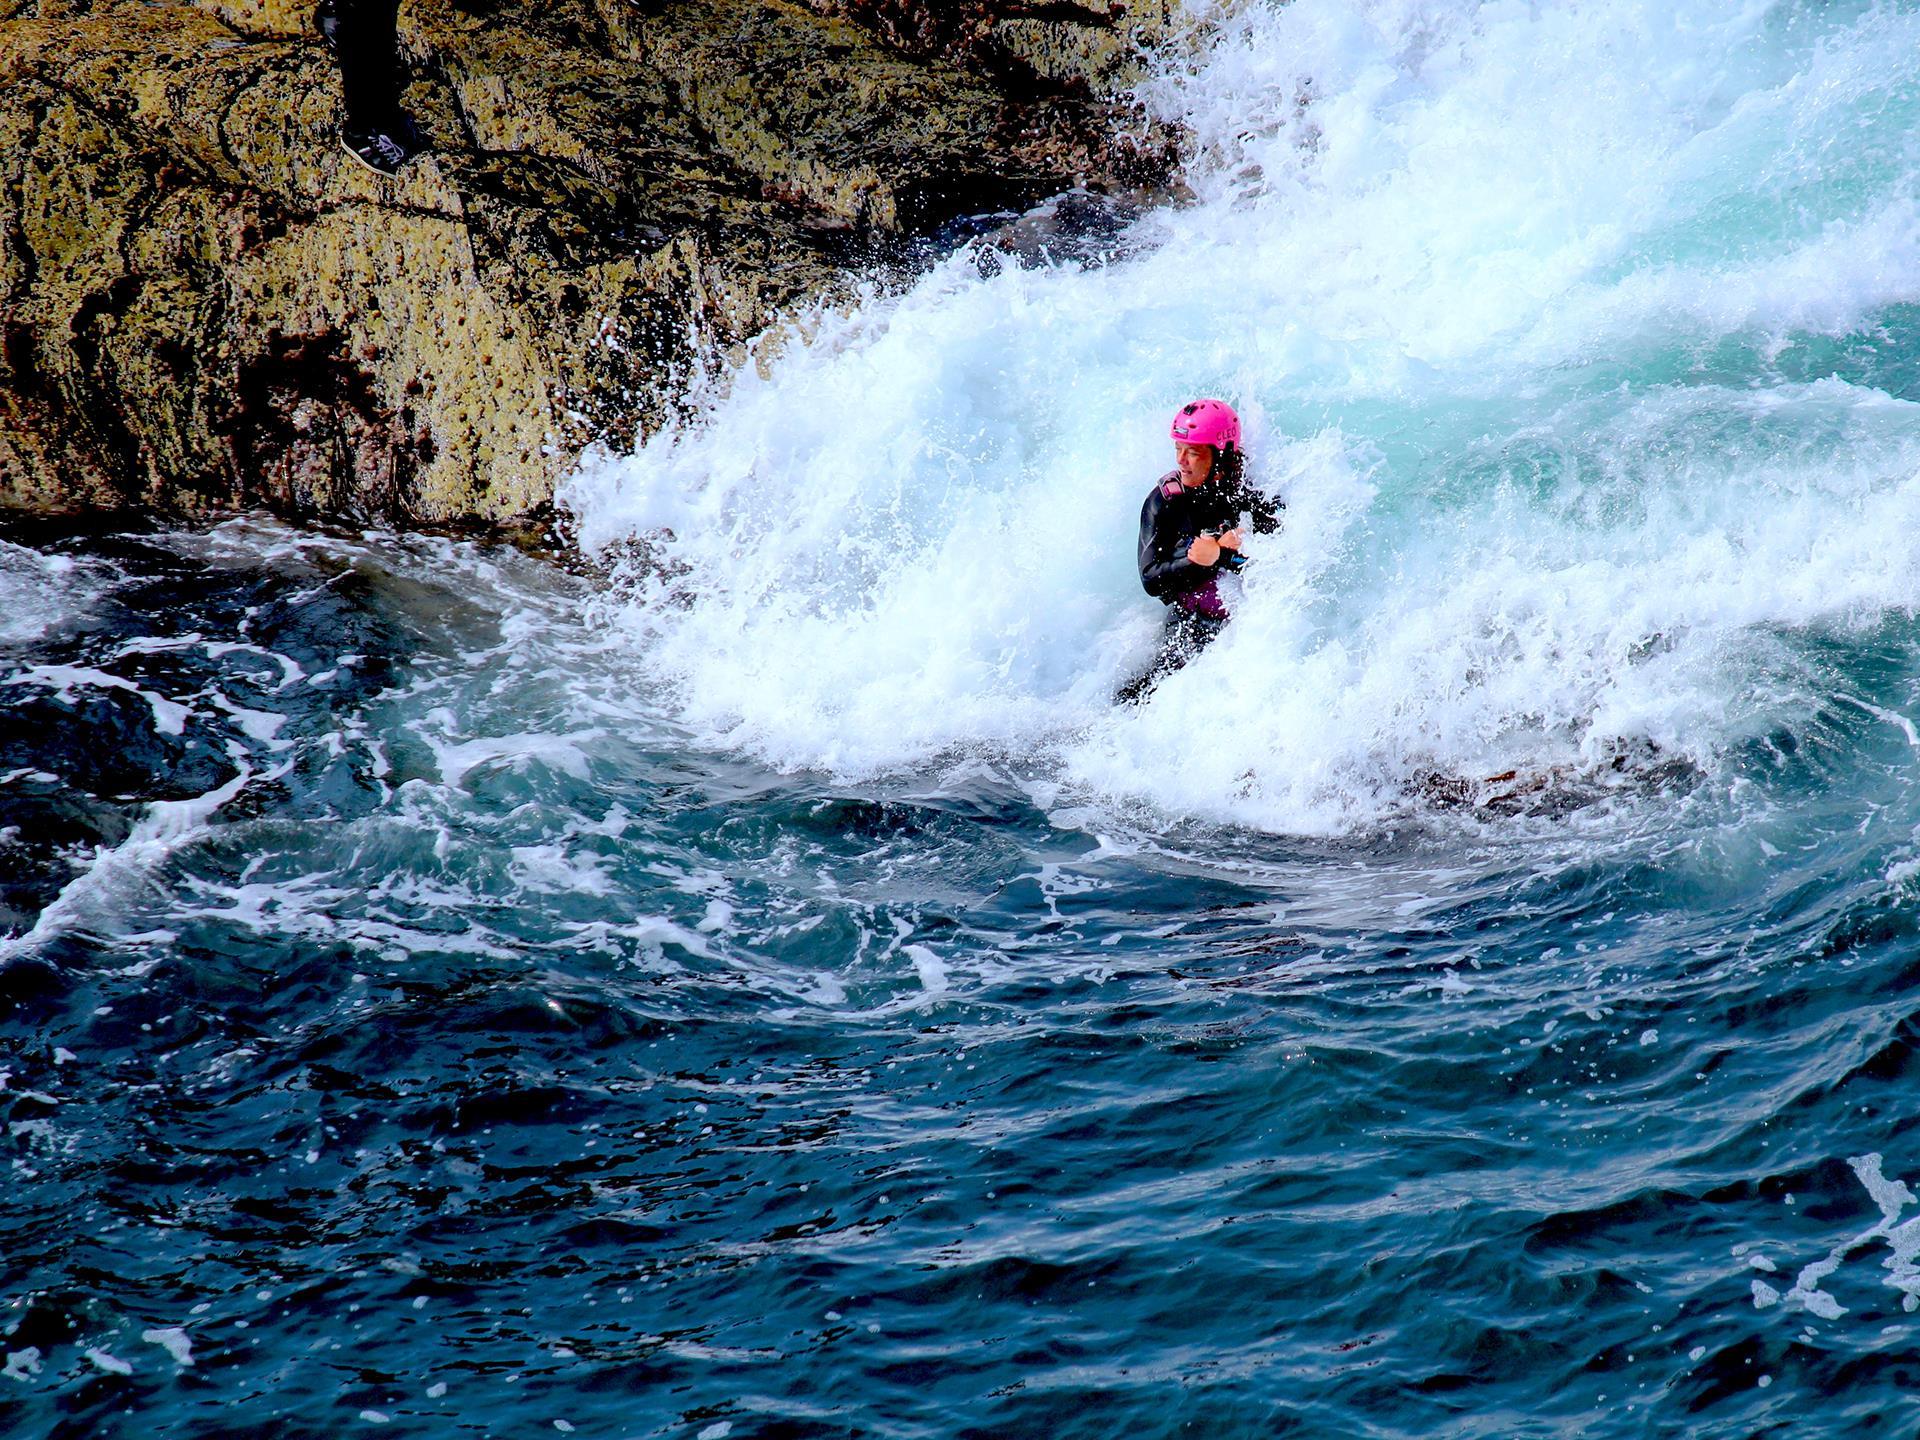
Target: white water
(39,592)
(1528,310)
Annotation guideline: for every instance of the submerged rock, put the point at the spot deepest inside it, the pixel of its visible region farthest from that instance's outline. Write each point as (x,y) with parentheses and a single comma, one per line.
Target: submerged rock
(208,306)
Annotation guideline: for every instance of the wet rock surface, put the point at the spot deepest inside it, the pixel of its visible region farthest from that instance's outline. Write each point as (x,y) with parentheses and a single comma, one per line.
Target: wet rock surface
(206,305)
(1083,47)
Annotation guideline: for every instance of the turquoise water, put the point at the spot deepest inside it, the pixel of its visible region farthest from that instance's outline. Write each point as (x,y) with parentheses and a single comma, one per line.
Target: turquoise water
(766,989)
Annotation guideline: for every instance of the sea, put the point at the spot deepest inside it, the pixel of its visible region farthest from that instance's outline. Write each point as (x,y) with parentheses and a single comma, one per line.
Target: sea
(756,982)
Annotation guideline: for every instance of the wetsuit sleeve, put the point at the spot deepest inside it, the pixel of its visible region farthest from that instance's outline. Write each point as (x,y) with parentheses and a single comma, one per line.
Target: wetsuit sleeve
(1265,509)
(1165,570)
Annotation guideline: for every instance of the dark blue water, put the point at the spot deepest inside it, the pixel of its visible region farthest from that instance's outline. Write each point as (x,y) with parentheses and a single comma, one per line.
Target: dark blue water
(488,1060)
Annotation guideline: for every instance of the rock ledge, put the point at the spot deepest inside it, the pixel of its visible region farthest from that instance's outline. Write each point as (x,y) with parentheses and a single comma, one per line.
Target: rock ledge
(209,307)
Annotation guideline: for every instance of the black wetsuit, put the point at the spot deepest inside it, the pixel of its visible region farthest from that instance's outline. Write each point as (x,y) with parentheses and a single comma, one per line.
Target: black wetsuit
(1170,520)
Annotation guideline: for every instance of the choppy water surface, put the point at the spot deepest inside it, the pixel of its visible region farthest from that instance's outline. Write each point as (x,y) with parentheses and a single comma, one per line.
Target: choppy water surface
(768,990)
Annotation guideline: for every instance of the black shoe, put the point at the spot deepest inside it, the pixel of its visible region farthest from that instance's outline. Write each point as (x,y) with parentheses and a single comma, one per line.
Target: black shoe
(384,151)
(326,19)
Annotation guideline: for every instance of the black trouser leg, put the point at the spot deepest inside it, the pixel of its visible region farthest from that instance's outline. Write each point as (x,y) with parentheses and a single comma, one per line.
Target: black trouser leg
(1185,637)
(367,38)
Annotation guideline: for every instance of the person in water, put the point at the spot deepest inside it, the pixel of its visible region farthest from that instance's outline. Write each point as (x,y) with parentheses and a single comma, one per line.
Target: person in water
(1190,531)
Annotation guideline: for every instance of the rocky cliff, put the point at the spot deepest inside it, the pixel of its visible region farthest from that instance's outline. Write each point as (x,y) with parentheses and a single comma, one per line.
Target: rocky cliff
(206,305)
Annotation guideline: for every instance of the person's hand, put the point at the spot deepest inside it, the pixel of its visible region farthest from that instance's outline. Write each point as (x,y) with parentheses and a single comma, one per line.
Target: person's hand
(1231,540)
(1205,550)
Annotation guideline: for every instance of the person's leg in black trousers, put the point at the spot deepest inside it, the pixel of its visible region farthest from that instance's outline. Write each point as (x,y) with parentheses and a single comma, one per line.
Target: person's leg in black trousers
(364,38)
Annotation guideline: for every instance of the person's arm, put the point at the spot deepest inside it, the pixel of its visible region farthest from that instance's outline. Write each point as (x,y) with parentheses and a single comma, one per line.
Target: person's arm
(1265,509)
(1165,569)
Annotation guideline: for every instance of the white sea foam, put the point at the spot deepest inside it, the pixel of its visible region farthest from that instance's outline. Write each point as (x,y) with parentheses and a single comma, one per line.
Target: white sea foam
(1503,291)
(559,752)
(931,969)
(560,870)
(22,1364)
(39,591)
(96,899)
(169,717)
(111,1364)
(174,1340)
(1902,1239)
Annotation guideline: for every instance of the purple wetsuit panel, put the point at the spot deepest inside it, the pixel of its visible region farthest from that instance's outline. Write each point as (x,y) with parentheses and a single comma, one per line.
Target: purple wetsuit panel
(1204,602)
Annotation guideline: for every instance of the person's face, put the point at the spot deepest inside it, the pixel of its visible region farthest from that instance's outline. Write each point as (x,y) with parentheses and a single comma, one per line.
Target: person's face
(1195,462)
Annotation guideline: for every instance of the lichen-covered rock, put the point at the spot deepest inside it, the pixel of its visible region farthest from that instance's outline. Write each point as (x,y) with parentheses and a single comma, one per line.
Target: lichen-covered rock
(1073,46)
(205,305)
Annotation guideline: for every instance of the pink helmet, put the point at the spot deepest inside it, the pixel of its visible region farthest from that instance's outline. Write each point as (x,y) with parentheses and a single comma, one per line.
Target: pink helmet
(1207,422)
